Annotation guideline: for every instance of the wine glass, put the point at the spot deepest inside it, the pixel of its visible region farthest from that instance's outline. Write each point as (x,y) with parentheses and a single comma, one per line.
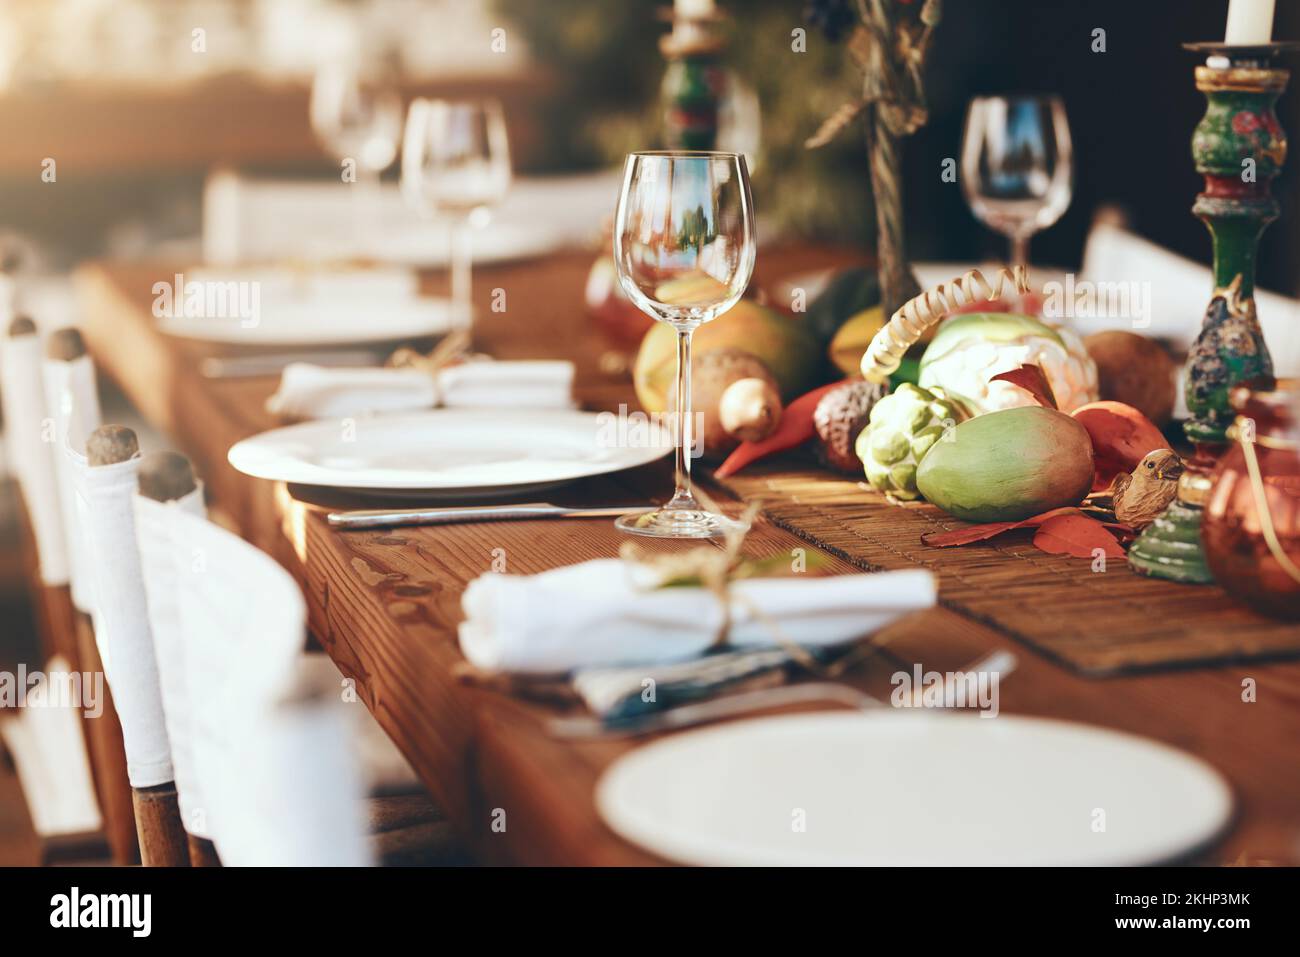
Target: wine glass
(456,160)
(356,114)
(1017,166)
(684,248)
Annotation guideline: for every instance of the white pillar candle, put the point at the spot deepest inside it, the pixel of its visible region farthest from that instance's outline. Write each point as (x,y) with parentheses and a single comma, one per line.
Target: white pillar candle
(695,8)
(1250,22)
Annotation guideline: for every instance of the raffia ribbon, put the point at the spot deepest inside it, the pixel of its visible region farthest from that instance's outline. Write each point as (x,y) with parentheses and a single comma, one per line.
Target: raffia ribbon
(452,348)
(910,322)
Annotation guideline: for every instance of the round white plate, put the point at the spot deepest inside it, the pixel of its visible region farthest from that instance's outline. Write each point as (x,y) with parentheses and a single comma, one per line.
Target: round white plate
(285,323)
(449,451)
(912,788)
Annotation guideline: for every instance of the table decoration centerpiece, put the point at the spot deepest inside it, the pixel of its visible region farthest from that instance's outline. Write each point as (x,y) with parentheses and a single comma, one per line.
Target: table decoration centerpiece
(1239,147)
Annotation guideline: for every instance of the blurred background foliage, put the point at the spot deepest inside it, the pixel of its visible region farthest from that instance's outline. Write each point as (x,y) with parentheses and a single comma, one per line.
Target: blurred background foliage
(605,57)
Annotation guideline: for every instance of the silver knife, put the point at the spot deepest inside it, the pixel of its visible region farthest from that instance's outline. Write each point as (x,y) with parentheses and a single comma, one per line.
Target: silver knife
(392,517)
(247,367)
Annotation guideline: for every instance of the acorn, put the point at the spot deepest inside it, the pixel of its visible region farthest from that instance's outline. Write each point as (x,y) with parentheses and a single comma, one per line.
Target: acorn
(750,409)
(841,414)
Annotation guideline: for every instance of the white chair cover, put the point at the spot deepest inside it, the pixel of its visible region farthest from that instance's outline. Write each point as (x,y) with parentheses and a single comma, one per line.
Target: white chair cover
(31,451)
(153,535)
(73,404)
(122,634)
(276,773)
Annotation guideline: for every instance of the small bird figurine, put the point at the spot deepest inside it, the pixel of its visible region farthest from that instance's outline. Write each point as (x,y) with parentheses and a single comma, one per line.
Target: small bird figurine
(1139,497)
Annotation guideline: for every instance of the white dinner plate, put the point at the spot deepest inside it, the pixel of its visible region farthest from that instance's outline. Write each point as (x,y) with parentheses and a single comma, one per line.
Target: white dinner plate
(912,788)
(288,323)
(447,452)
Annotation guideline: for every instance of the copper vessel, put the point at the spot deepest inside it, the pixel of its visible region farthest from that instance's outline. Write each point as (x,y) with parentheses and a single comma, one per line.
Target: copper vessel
(1252,520)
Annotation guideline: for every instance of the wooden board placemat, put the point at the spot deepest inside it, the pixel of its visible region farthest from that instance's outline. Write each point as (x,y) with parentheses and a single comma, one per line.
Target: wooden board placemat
(1096,622)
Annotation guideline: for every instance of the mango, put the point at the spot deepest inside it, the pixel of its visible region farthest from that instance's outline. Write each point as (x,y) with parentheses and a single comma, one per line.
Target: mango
(1009,465)
(853,337)
(788,351)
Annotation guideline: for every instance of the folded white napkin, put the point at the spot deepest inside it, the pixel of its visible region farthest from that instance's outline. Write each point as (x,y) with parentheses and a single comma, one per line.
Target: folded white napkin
(31,456)
(599,613)
(314,392)
(1180,290)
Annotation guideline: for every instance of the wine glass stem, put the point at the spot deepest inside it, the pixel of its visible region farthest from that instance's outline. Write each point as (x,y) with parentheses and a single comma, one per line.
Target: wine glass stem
(683,497)
(1020,251)
(462,278)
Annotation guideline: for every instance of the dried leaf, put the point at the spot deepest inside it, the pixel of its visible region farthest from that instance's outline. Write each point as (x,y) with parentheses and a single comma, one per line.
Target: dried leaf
(1076,535)
(862,47)
(1033,380)
(980,533)
(834,123)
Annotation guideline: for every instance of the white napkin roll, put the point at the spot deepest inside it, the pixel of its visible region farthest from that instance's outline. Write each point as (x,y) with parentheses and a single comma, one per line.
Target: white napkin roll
(595,614)
(526,383)
(73,403)
(30,435)
(313,392)
(153,527)
(122,630)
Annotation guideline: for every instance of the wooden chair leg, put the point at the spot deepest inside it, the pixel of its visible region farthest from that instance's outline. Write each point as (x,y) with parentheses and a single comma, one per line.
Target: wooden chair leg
(108,757)
(158,825)
(203,853)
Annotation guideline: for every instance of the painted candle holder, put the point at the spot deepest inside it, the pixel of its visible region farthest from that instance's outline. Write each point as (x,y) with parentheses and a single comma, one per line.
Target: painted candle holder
(694,82)
(1239,147)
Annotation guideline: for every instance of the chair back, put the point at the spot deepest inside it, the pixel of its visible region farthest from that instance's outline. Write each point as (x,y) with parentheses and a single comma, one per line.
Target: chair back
(272,757)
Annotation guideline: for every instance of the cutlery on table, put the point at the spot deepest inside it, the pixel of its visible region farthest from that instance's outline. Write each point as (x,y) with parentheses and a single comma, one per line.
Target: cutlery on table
(393,517)
(730,706)
(247,367)
(683,716)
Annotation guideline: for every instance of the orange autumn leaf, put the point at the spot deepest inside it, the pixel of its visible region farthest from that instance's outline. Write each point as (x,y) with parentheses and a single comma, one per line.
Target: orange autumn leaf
(1078,535)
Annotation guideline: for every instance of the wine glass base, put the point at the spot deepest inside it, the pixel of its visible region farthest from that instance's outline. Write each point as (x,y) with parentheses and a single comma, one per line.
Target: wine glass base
(677,523)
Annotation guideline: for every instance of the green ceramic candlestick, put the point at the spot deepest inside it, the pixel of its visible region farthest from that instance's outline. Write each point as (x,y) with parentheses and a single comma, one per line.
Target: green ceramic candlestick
(1239,147)
(694,82)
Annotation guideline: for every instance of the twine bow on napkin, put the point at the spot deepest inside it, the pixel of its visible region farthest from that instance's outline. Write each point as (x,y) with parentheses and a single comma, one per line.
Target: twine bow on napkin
(714,569)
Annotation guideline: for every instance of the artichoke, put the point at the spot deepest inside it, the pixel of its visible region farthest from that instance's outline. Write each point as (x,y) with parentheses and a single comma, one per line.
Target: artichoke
(969,350)
(903,426)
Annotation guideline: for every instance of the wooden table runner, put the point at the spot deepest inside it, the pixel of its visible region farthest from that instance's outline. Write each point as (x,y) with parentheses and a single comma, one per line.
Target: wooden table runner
(1098,622)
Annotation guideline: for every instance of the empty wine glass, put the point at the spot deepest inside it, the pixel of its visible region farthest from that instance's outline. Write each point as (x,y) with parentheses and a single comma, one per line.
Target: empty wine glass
(684,247)
(1017,166)
(456,161)
(356,114)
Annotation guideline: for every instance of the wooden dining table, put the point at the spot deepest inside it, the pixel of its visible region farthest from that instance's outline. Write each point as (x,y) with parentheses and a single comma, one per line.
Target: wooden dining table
(385,604)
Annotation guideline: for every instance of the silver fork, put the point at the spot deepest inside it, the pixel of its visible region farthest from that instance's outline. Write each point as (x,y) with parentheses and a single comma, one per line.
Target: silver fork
(686,715)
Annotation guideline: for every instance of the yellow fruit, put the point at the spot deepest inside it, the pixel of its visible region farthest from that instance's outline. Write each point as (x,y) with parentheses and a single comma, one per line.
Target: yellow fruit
(781,344)
(853,338)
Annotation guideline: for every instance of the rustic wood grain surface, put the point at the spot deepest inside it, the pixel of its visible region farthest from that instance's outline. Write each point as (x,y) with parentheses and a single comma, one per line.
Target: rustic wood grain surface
(385,604)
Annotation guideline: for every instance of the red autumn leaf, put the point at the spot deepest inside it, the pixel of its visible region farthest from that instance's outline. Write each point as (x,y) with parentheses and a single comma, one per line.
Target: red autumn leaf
(1076,535)
(1034,381)
(979,533)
